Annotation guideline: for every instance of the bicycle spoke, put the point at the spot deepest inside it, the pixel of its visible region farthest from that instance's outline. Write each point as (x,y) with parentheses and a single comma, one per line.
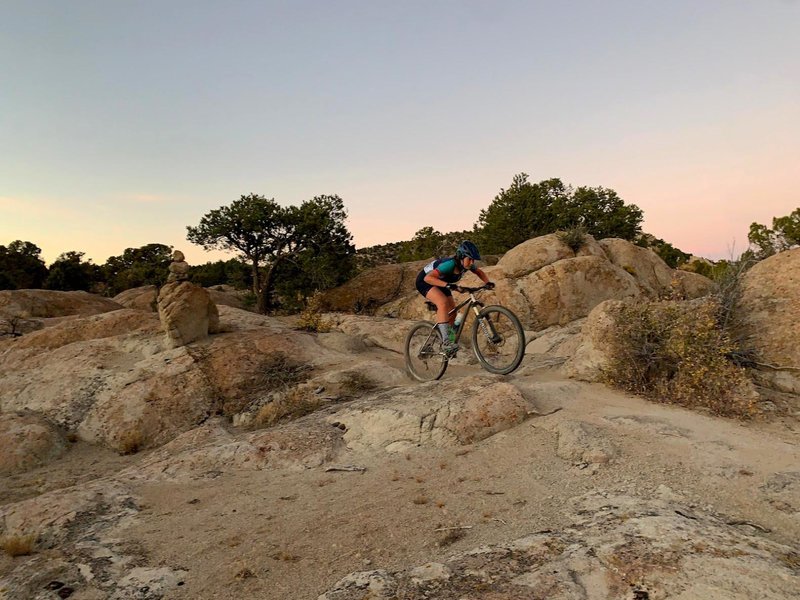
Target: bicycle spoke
(425,360)
(499,340)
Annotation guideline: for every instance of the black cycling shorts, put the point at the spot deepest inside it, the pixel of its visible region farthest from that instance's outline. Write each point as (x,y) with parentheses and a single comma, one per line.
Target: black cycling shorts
(423,287)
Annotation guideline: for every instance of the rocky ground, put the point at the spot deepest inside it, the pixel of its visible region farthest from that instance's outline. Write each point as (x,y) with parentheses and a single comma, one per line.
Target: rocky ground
(591,494)
(133,466)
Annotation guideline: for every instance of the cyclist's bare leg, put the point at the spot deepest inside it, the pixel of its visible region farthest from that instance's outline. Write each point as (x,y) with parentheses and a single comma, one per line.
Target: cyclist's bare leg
(444,304)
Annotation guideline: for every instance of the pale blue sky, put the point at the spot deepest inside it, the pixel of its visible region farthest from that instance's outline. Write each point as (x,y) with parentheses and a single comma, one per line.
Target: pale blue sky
(122,122)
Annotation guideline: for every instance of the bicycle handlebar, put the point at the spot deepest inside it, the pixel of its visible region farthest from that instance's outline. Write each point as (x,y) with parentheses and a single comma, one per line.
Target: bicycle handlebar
(470,290)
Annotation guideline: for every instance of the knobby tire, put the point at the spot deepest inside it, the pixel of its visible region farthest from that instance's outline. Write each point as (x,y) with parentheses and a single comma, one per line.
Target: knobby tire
(433,365)
(505,355)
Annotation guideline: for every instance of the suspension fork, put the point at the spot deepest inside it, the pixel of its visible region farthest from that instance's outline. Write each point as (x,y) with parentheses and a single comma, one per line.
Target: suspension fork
(487,327)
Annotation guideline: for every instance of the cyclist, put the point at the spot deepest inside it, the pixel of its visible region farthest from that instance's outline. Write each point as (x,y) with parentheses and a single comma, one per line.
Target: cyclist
(440,276)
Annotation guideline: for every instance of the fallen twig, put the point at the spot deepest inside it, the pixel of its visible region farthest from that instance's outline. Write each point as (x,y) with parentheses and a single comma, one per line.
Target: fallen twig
(750,524)
(686,515)
(346,468)
(452,528)
(776,367)
(538,414)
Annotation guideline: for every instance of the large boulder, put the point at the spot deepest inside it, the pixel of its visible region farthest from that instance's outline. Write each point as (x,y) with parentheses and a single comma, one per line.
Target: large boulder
(108,378)
(533,254)
(27,441)
(648,269)
(372,288)
(543,281)
(139,298)
(591,355)
(691,285)
(569,289)
(187,313)
(227,296)
(50,303)
(438,414)
(770,305)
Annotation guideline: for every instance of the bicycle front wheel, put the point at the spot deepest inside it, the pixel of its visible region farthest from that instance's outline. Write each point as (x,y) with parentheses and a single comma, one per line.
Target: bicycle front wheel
(425,360)
(498,340)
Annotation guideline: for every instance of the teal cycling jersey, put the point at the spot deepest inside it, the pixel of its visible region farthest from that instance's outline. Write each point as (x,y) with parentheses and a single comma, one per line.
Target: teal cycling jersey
(447,269)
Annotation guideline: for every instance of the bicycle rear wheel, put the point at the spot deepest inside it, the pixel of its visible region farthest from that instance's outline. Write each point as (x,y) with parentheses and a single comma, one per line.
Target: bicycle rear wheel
(425,360)
(498,340)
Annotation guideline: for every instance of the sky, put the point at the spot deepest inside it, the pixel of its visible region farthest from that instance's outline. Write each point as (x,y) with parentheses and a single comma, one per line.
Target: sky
(123,122)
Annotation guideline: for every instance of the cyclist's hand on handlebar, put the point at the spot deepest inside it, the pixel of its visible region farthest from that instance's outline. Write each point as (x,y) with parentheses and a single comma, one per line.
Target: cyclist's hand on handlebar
(455,287)
(489,285)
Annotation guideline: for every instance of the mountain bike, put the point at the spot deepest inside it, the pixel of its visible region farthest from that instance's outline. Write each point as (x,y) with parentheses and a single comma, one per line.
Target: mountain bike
(498,340)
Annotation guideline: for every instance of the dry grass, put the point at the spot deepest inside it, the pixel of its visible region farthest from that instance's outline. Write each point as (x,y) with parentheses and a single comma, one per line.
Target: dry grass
(678,353)
(451,537)
(285,556)
(278,371)
(356,383)
(292,404)
(311,318)
(130,442)
(18,545)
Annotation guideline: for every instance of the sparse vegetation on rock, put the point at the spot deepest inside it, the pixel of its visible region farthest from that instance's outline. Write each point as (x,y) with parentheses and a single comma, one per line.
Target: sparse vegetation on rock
(18,544)
(305,455)
(679,353)
(293,403)
(312,319)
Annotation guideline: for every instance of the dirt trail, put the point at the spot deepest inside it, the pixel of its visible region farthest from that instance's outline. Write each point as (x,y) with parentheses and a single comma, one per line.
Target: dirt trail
(294,533)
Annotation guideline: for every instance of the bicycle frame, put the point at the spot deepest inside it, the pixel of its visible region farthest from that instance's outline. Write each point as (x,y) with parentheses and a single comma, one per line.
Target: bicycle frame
(426,359)
(472,303)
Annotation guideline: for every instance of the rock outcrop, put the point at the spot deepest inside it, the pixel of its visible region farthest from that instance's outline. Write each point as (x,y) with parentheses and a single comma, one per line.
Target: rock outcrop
(569,289)
(139,298)
(27,441)
(187,313)
(45,304)
(541,251)
(591,357)
(618,547)
(542,280)
(24,311)
(770,307)
(82,529)
(108,379)
(186,310)
(373,288)
(460,412)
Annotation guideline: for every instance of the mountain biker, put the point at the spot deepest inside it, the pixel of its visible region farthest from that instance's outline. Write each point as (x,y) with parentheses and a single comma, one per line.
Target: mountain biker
(440,276)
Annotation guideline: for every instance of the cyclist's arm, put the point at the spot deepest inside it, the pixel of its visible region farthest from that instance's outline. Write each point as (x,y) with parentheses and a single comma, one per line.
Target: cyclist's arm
(484,277)
(434,278)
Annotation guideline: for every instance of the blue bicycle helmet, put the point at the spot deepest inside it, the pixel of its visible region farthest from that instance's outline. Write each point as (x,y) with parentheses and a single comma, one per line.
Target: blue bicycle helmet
(467,248)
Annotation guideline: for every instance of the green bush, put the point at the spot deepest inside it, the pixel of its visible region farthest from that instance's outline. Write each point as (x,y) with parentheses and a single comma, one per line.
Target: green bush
(574,237)
(678,353)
